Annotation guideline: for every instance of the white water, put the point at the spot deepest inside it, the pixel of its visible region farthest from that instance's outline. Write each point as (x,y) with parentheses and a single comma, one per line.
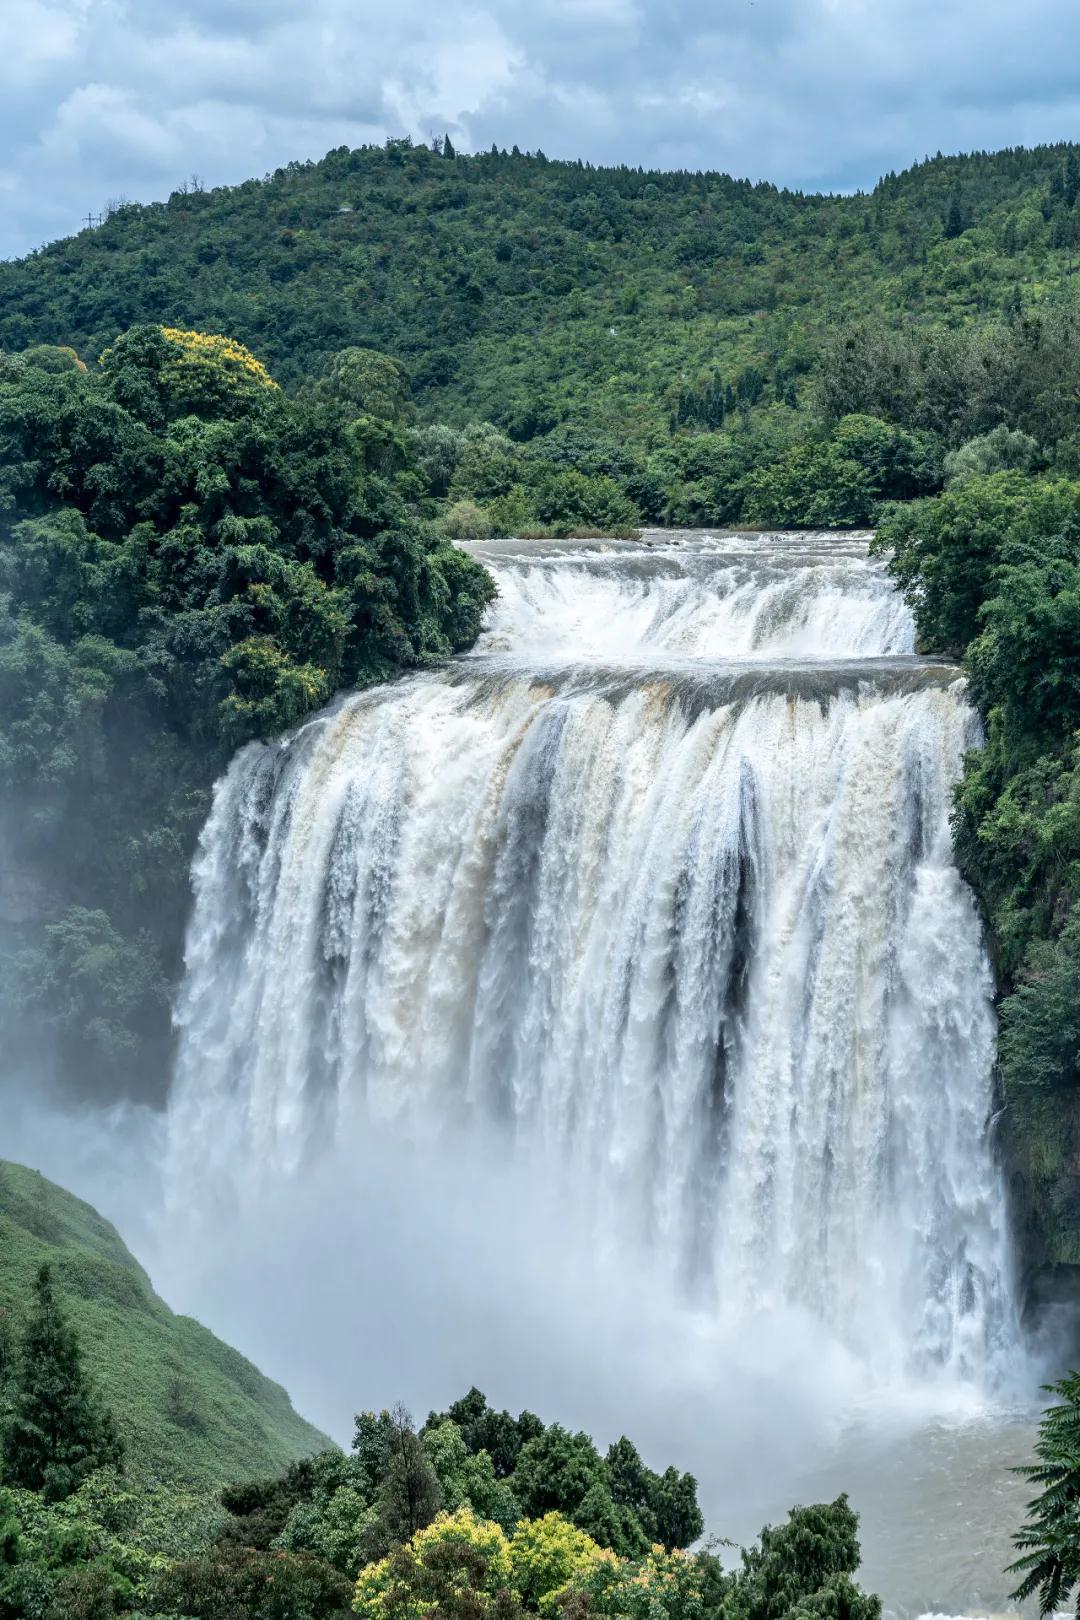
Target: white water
(656,887)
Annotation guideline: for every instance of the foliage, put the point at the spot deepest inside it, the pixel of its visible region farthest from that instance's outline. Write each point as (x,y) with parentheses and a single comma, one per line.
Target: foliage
(660,1585)
(617,1500)
(841,481)
(105,1545)
(237,1583)
(408,1495)
(458,1567)
(363,383)
(483,1429)
(992,569)
(1001,450)
(806,1566)
(188,558)
(469,1477)
(536,293)
(546,1555)
(57,1432)
(1049,1541)
(462,1566)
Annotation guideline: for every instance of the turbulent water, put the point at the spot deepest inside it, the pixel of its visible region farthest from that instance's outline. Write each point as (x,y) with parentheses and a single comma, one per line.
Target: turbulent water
(656,885)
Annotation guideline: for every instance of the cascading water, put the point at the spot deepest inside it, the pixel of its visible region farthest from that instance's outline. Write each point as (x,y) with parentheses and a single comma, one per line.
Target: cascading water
(658,883)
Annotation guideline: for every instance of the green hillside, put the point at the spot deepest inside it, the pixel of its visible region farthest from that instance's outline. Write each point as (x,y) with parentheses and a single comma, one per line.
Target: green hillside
(192,1411)
(532,293)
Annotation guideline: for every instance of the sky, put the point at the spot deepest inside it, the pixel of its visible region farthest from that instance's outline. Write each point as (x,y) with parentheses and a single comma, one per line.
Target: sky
(102,100)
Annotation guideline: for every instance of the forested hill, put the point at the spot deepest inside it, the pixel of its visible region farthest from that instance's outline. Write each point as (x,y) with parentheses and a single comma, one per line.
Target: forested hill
(530,293)
(192,1412)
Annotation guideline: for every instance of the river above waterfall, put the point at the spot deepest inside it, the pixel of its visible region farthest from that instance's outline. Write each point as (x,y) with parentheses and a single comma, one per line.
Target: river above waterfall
(644,915)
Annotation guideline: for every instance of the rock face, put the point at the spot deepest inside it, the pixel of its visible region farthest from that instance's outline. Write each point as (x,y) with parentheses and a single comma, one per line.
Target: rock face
(1050,1296)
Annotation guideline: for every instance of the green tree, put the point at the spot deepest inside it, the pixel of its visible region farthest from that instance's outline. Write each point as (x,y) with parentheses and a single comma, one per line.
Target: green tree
(811,486)
(1001,450)
(674,1505)
(468,1478)
(556,1470)
(546,1554)
(484,1429)
(238,1583)
(363,382)
(409,1495)
(58,1432)
(1049,1540)
(658,1586)
(806,1566)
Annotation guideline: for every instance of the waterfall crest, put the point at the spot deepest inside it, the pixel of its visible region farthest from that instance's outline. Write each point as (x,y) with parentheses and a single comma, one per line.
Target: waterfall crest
(657,882)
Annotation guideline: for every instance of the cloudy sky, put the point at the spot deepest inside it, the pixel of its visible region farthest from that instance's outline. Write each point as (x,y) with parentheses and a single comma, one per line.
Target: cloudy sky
(103,99)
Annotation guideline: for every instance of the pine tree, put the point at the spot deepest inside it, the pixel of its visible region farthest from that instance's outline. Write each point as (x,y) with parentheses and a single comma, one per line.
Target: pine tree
(448,147)
(954,223)
(57,1432)
(1071,179)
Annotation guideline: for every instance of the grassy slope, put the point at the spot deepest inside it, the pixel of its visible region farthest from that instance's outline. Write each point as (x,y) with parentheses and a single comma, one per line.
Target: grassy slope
(511,285)
(192,1410)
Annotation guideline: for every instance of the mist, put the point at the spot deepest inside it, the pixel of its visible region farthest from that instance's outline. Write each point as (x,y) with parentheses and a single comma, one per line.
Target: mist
(395,1271)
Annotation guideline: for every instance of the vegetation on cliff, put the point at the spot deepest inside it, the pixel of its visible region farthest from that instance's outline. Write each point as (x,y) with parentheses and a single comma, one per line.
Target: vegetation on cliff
(992,568)
(189,558)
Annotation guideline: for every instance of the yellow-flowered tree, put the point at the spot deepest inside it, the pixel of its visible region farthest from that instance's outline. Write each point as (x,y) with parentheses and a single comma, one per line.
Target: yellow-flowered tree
(164,372)
(546,1555)
(459,1565)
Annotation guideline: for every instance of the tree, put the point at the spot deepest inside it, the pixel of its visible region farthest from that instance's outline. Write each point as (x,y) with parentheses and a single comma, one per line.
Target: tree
(556,1470)
(674,1503)
(458,1567)
(363,382)
(1049,1541)
(545,1556)
(811,486)
(804,1567)
(238,1581)
(658,1586)
(997,451)
(468,1478)
(484,1429)
(58,1431)
(409,1496)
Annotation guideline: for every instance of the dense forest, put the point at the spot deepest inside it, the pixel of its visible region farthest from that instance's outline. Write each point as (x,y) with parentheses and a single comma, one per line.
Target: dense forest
(204,537)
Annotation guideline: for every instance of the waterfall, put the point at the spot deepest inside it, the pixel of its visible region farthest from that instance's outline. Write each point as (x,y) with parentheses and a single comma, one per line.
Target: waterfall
(656,883)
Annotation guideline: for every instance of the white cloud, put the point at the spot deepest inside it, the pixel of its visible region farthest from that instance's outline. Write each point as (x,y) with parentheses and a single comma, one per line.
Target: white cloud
(100,98)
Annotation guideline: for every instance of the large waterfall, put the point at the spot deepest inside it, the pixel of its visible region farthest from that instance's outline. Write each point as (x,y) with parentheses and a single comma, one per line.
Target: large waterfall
(657,884)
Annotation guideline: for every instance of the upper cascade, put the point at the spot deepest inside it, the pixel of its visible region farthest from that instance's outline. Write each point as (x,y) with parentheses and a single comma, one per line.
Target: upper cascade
(757,597)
